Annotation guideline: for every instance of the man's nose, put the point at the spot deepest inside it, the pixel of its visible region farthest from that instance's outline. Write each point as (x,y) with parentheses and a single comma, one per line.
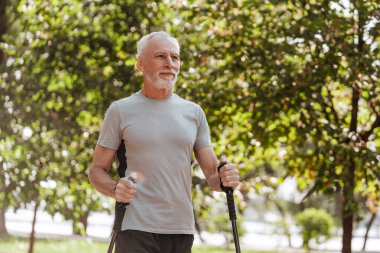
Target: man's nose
(170,63)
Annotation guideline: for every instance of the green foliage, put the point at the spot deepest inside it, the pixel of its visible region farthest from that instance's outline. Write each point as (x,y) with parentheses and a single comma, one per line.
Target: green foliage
(315,224)
(290,88)
(304,78)
(66,62)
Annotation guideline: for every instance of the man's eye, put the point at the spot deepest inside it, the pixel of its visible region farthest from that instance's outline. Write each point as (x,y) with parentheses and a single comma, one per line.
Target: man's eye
(160,56)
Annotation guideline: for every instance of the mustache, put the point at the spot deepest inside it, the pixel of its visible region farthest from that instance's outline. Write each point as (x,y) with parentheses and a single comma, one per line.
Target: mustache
(168,72)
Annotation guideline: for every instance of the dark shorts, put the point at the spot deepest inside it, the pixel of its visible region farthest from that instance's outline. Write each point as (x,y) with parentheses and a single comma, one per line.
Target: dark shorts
(134,241)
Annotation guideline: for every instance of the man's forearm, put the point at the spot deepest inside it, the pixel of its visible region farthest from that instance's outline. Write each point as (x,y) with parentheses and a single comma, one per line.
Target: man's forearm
(102,181)
(208,162)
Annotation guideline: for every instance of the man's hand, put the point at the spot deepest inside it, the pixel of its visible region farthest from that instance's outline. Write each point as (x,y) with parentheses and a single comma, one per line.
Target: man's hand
(125,190)
(229,175)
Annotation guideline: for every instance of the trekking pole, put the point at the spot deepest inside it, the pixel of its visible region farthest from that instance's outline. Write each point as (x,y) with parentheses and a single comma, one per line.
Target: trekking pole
(231,209)
(119,216)
(120,207)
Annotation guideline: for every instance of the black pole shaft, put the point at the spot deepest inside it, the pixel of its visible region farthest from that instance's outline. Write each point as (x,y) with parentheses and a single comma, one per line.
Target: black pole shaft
(231,209)
(236,236)
(232,213)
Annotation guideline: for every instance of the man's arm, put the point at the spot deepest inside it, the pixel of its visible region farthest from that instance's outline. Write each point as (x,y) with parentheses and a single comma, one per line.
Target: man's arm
(98,172)
(122,190)
(208,161)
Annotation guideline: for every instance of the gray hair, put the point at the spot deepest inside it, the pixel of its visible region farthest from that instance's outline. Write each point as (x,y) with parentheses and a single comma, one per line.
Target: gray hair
(143,42)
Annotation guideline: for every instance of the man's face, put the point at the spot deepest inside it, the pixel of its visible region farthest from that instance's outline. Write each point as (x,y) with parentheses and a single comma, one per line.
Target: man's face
(160,63)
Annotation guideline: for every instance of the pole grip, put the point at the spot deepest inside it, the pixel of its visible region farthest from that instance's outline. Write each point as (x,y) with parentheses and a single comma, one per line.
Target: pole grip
(230,195)
(120,208)
(225,189)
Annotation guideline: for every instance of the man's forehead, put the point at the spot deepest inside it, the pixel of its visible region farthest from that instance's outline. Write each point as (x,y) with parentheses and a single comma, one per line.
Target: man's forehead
(166,50)
(163,44)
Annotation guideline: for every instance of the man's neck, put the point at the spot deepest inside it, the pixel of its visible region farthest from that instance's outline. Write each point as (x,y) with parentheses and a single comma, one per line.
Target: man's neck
(152,92)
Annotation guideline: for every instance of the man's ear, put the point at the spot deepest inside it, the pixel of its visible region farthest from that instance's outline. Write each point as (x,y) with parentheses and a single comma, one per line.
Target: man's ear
(139,64)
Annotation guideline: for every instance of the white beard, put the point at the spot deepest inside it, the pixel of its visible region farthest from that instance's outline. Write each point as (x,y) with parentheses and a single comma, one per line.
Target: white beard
(161,83)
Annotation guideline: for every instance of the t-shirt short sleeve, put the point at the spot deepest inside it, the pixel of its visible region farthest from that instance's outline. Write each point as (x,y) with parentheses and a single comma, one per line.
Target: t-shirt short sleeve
(203,133)
(110,134)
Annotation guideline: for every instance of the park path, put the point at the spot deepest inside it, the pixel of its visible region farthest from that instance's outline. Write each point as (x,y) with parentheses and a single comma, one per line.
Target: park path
(258,236)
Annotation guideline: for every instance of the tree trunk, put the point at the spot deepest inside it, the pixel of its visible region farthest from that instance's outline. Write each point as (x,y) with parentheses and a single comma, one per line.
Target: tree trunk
(32,237)
(3,58)
(198,228)
(284,223)
(80,227)
(348,206)
(369,225)
(4,206)
(84,220)
(347,220)
(3,228)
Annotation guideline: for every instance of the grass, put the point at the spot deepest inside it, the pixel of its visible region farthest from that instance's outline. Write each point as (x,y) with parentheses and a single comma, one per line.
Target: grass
(20,245)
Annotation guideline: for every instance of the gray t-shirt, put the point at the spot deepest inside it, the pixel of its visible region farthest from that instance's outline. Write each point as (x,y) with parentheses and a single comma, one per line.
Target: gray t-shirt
(160,136)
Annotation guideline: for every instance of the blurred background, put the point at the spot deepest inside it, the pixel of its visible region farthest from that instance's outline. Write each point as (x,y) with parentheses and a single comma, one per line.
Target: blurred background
(290,89)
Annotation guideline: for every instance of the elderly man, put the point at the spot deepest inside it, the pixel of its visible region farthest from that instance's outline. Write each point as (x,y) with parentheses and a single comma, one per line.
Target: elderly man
(160,131)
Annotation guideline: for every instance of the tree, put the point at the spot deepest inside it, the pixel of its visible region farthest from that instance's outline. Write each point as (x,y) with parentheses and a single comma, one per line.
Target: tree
(68,61)
(300,77)
(371,204)
(305,74)
(3,31)
(315,224)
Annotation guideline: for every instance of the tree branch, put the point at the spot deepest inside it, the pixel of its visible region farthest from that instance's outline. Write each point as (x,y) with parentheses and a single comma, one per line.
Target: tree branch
(330,98)
(357,70)
(365,135)
(355,107)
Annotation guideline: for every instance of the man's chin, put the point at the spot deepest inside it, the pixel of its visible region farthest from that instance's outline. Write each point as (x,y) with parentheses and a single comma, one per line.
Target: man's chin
(165,85)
